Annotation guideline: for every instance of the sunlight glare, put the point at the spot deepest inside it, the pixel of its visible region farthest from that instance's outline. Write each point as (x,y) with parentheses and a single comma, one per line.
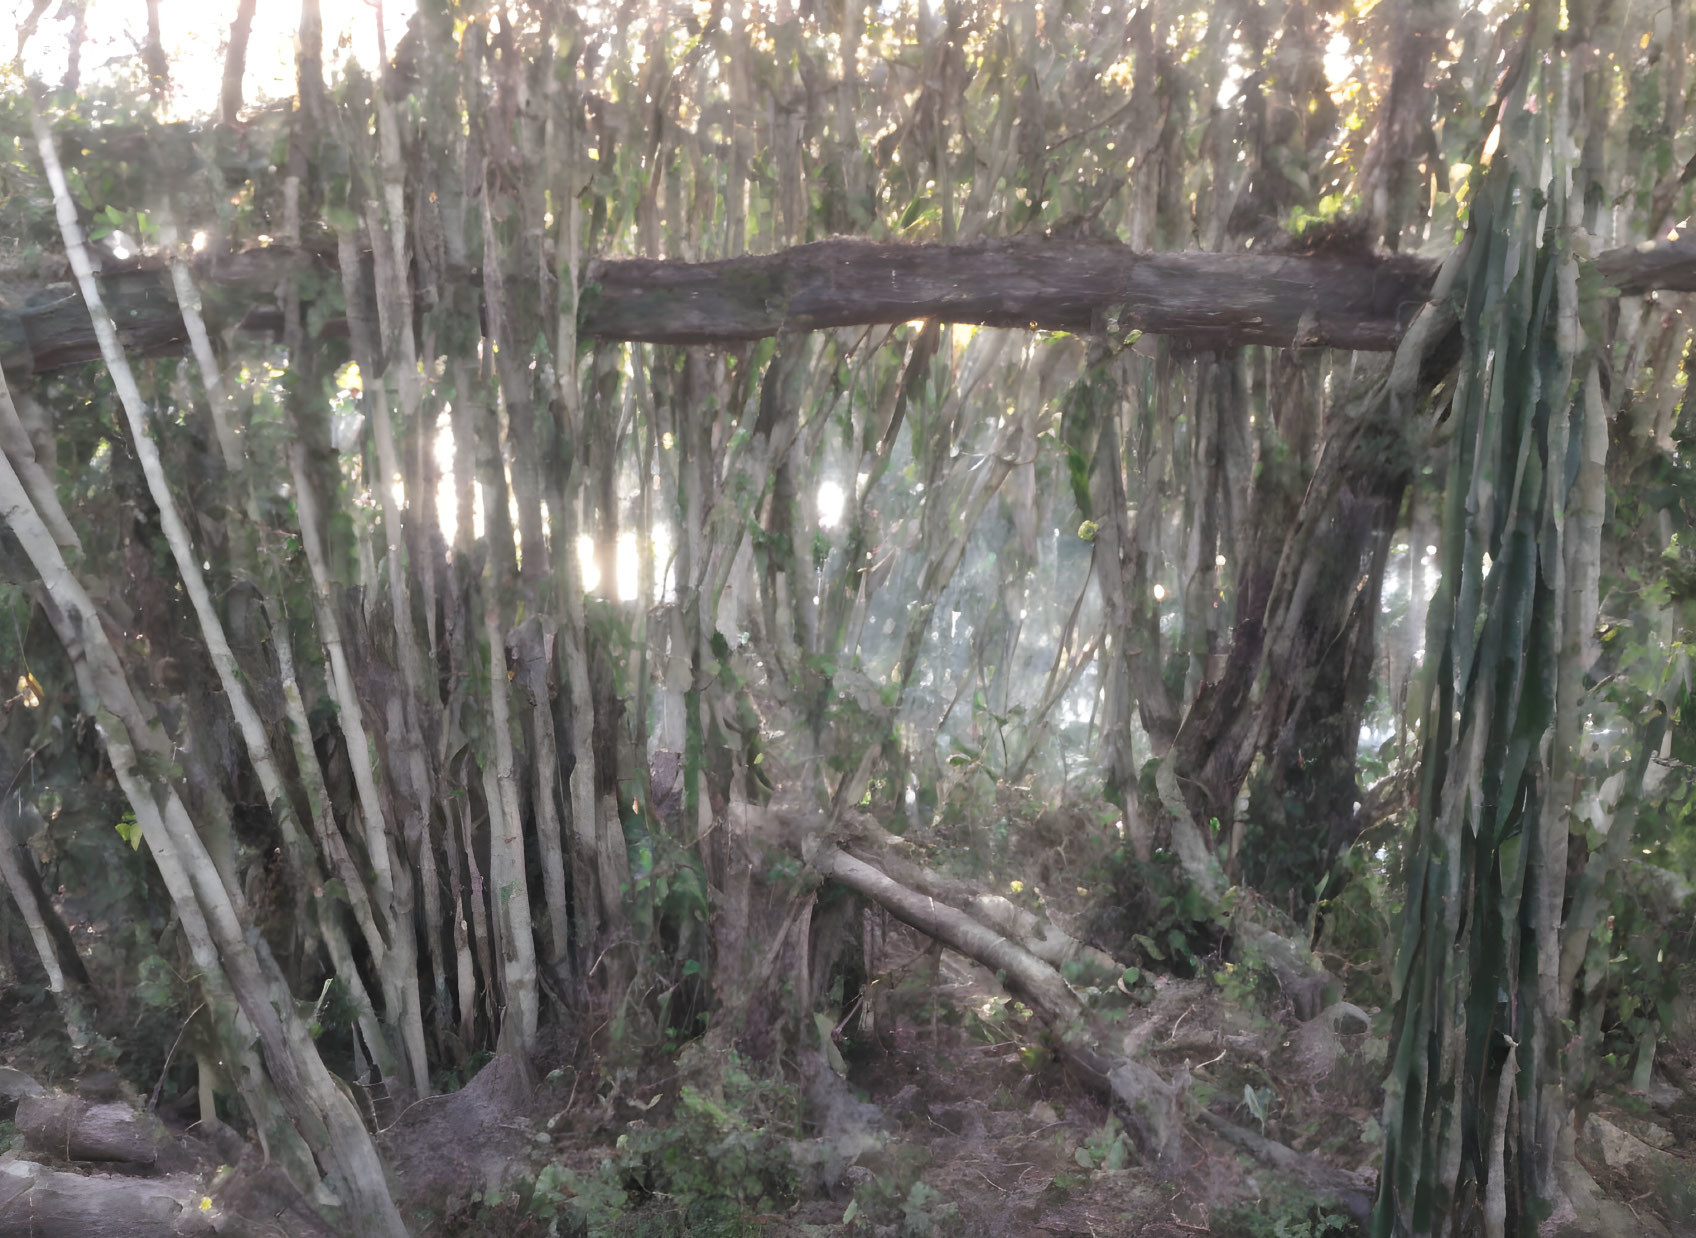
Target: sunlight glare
(194,37)
(626,561)
(587,568)
(832,501)
(664,579)
(447,499)
(1338,63)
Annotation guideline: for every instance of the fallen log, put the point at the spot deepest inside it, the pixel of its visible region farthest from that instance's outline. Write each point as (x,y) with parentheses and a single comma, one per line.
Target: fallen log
(1041,936)
(70,1128)
(38,1202)
(1352,1190)
(1355,300)
(1148,1104)
(1153,1109)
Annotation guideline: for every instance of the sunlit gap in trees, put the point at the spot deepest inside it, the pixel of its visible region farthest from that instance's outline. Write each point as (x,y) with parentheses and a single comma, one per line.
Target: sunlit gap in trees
(1400,577)
(627,564)
(627,561)
(832,502)
(194,36)
(1410,581)
(1339,67)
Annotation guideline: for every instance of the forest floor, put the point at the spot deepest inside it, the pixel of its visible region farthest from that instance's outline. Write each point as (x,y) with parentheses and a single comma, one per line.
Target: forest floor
(952,1121)
(952,1130)
(942,1127)
(937,1111)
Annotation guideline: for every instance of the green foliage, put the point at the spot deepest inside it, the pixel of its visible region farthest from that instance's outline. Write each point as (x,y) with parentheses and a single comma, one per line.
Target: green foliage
(710,1169)
(1151,913)
(925,1214)
(1294,1215)
(157,983)
(1304,224)
(577,1202)
(899,1201)
(1258,1102)
(129,830)
(667,881)
(1248,982)
(453,1080)
(1108,1148)
(1356,915)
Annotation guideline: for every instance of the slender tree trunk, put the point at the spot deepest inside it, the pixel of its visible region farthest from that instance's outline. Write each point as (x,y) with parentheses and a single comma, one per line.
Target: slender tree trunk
(53,947)
(235,62)
(153,55)
(506,848)
(325,834)
(210,916)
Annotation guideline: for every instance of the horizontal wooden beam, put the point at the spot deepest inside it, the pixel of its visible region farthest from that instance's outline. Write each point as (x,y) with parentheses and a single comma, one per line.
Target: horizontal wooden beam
(1347,300)
(1353,301)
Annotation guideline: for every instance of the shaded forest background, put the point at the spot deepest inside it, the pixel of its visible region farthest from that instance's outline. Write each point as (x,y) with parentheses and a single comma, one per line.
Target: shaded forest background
(461,661)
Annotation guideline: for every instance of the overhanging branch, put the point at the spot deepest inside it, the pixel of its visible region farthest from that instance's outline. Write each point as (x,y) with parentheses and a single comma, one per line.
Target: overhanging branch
(1356,301)
(1350,300)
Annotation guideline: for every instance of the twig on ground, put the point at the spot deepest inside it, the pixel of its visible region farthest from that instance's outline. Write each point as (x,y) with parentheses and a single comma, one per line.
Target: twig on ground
(1173,1034)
